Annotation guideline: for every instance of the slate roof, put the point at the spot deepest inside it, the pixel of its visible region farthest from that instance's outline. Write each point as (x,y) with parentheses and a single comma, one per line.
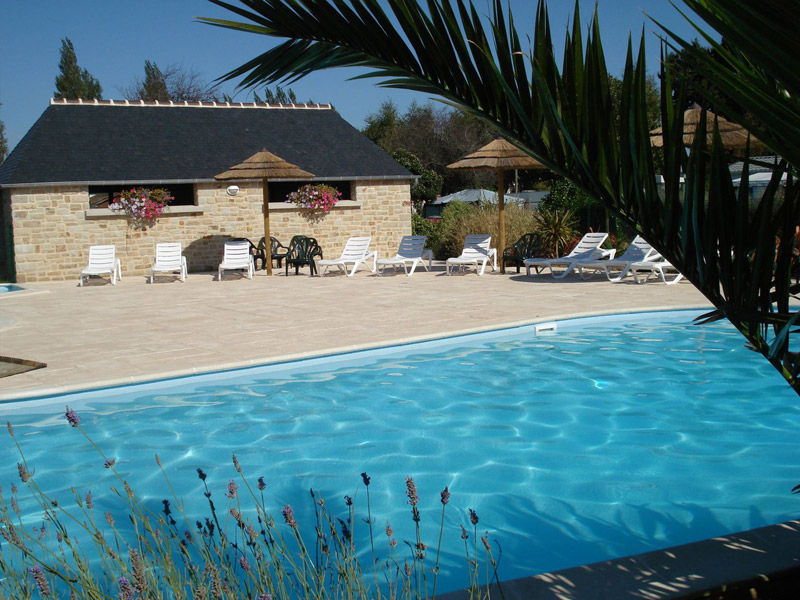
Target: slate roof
(737,168)
(115,142)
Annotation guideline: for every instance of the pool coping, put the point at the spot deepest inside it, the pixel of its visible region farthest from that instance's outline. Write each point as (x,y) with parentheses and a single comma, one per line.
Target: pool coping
(22,292)
(758,563)
(101,383)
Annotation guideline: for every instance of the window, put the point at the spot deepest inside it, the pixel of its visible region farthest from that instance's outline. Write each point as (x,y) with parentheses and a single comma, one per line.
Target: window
(101,195)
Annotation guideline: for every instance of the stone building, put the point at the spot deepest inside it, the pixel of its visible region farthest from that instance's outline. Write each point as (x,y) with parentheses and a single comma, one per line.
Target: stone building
(57,183)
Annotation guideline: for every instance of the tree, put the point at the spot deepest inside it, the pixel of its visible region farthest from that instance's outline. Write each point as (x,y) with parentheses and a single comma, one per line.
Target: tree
(429,184)
(685,75)
(154,87)
(3,142)
(562,116)
(72,82)
(653,99)
(382,126)
(174,83)
(436,136)
(279,96)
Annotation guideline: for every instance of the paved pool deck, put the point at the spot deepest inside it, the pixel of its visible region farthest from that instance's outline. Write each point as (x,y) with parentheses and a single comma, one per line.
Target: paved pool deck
(103,335)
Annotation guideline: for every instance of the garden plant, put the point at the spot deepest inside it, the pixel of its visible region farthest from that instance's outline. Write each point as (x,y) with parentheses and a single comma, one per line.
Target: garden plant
(73,548)
(142,206)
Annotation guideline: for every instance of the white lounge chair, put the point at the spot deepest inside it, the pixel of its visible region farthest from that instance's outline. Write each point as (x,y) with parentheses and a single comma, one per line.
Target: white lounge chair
(616,269)
(655,267)
(587,249)
(476,252)
(169,259)
(237,256)
(411,250)
(102,260)
(356,252)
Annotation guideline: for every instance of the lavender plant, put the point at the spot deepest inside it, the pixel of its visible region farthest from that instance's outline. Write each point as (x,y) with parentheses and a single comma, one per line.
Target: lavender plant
(237,550)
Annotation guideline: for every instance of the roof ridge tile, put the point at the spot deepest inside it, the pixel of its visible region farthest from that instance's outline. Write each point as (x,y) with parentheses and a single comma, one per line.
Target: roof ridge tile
(191,103)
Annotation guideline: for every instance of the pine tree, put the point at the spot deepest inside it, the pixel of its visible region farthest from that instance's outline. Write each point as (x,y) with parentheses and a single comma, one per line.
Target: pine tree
(3,142)
(279,96)
(73,82)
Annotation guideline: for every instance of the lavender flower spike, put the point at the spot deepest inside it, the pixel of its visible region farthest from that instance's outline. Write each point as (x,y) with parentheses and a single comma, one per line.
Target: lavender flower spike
(445,496)
(411,491)
(24,475)
(232,489)
(288,516)
(125,588)
(72,417)
(40,579)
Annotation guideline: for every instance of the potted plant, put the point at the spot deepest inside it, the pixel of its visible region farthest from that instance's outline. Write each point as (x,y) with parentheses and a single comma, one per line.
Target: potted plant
(315,198)
(143,206)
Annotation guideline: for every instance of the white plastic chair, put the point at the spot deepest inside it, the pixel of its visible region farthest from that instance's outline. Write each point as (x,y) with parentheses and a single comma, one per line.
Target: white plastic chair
(476,252)
(169,259)
(356,252)
(616,269)
(658,268)
(411,250)
(237,256)
(588,249)
(102,260)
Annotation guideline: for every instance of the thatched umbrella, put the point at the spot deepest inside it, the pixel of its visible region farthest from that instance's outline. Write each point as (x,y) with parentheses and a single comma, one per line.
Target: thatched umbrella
(498,155)
(265,166)
(734,137)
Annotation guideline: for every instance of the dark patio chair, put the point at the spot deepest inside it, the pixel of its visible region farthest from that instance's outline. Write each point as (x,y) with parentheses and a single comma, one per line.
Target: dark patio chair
(525,247)
(302,251)
(277,251)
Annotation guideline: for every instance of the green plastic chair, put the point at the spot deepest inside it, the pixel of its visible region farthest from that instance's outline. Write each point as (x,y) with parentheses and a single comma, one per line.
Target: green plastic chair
(525,247)
(277,251)
(302,251)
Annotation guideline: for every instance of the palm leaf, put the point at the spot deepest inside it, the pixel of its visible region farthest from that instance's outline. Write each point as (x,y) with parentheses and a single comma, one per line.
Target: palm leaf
(562,116)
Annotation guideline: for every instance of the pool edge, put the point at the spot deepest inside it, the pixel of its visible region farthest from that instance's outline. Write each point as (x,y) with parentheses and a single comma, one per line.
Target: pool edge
(757,563)
(38,392)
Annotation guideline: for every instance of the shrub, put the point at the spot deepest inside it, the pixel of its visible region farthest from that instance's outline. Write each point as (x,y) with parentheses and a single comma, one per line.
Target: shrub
(460,219)
(564,195)
(429,228)
(557,228)
(588,213)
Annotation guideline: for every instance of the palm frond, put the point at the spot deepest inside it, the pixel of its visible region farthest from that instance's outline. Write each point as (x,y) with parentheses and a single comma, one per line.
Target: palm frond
(562,116)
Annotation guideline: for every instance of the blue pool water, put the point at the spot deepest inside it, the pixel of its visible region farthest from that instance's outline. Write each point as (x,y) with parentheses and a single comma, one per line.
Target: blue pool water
(610,437)
(9,287)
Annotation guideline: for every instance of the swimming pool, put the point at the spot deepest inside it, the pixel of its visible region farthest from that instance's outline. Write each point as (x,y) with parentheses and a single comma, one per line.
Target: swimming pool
(607,438)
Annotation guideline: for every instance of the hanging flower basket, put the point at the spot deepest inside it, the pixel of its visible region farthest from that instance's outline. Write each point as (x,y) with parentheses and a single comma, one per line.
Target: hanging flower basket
(316,198)
(143,206)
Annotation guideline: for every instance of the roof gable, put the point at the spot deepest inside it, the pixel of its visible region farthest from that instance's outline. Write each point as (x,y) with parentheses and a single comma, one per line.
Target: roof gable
(150,142)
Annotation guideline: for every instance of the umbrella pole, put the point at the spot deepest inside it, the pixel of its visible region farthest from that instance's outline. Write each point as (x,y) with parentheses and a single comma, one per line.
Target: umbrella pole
(501,244)
(267,241)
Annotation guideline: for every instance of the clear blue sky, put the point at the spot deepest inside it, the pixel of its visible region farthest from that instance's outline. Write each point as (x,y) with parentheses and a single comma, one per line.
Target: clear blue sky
(112,40)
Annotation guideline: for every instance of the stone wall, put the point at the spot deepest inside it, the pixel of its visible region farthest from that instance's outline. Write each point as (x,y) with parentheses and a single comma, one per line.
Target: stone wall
(53,228)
